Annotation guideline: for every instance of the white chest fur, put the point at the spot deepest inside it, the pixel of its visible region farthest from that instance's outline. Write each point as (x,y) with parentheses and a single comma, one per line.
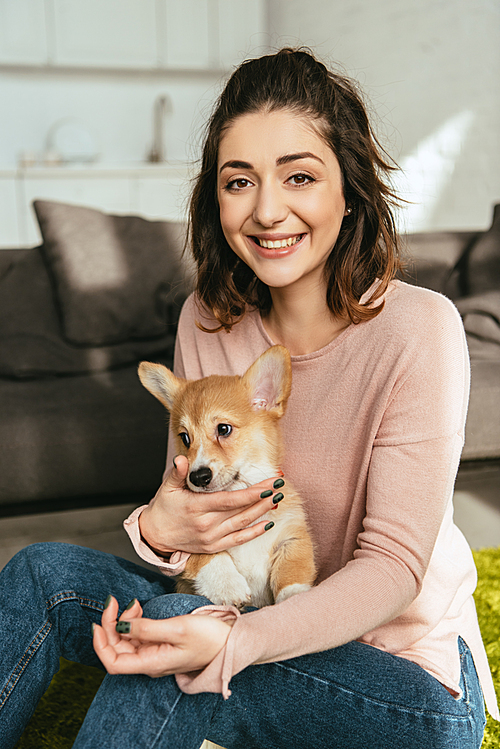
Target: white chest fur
(241,575)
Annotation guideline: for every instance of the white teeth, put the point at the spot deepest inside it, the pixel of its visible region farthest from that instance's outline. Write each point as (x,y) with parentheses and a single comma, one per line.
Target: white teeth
(268,244)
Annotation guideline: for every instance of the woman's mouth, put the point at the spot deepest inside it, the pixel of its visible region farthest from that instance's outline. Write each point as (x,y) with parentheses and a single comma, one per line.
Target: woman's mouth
(278,243)
(277,247)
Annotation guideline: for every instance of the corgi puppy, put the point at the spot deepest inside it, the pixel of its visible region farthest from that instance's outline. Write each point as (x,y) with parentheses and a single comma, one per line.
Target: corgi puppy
(228,428)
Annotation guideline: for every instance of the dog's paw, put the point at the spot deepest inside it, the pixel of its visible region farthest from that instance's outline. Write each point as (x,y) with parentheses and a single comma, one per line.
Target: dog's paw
(238,598)
(234,593)
(291,590)
(221,583)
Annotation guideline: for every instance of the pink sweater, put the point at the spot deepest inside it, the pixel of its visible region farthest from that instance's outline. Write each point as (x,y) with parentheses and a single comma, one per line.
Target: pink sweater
(373,434)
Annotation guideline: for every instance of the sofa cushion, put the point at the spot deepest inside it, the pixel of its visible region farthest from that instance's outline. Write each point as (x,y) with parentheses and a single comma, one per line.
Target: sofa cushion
(31,345)
(99,434)
(481,316)
(433,259)
(115,276)
(484,259)
(482,430)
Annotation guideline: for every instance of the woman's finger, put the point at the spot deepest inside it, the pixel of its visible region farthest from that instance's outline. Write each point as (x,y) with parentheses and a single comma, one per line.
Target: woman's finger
(172,631)
(240,526)
(234,502)
(108,620)
(177,476)
(100,640)
(239,537)
(201,637)
(106,652)
(132,611)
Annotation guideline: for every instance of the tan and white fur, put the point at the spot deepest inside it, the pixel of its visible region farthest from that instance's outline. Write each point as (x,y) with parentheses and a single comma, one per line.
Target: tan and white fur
(228,428)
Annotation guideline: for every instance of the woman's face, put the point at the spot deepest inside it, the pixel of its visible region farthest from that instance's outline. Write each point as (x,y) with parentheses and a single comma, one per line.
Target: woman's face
(280,197)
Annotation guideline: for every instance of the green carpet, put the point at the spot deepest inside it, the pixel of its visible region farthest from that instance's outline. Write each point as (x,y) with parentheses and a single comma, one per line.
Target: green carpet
(62,709)
(487,597)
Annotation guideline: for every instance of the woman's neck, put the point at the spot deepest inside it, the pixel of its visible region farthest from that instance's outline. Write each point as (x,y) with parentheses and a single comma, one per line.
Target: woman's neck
(302,322)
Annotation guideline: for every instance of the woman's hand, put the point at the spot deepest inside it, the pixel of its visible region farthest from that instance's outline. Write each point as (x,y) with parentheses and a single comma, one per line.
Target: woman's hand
(203,523)
(157,647)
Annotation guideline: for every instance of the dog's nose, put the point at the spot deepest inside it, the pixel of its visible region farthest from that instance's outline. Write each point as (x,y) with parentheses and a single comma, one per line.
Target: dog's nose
(201,477)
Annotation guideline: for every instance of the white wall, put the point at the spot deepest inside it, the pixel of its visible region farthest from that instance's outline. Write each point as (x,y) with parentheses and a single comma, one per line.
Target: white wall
(431,69)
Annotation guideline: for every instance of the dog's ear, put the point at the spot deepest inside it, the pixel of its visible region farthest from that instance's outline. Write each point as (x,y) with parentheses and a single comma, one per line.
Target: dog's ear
(269,380)
(160,382)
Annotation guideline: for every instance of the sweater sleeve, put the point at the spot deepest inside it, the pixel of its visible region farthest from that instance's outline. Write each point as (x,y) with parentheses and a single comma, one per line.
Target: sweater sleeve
(413,465)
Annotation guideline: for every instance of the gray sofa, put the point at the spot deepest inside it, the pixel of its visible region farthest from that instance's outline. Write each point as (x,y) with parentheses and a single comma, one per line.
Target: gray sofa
(465,266)
(103,292)
(76,315)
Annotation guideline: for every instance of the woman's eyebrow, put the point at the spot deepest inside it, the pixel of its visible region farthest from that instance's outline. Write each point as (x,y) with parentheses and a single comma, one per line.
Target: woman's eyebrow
(286,159)
(296,157)
(235,165)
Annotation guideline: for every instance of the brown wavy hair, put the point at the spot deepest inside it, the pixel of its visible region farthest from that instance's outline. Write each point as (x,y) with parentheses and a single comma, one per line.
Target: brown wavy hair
(367,245)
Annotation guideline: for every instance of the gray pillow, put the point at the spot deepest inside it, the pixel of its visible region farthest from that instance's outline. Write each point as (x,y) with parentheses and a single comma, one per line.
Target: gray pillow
(433,259)
(31,345)
(484,259)
(481,316)
(116,277)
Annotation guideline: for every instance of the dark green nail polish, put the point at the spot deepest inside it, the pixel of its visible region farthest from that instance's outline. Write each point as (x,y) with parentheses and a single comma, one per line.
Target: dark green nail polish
(277,498)
(269,526)
(93,627)
(129,606)
(123,628)
(265,494)
(107,601)
(278,483)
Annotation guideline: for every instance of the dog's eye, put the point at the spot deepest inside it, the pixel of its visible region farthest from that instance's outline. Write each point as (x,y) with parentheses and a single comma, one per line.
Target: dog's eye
(185,439)
(224,430)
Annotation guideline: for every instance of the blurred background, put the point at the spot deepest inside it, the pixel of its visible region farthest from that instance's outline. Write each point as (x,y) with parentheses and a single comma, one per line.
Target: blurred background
(102,105)
(91,92)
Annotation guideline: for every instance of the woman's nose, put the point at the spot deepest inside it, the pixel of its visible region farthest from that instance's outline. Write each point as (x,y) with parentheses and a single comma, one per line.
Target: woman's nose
(270,207)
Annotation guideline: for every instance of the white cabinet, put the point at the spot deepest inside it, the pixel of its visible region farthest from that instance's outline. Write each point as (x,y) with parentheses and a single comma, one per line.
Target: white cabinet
(23,37)
(203,34)
(241,24)
(133,34)
(105,33)
(184,34)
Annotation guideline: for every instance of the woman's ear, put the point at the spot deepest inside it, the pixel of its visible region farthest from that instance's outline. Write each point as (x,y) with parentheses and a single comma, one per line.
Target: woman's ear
(269,380)
(160,382)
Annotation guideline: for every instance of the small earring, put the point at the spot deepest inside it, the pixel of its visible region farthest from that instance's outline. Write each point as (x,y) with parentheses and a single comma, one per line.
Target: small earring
(348,210)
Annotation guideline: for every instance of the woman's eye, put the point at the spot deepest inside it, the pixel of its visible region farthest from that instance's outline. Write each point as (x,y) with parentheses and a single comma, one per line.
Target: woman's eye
(301,179)
(237,184)
(185,439)
(224,430)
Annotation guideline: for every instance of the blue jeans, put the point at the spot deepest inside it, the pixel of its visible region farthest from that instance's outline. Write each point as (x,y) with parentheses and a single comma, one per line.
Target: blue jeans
(349,697)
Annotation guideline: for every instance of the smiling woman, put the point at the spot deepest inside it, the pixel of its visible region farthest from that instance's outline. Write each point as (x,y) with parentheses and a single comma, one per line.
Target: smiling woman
(283,148)
(294,241)
(277,201)
(282,205)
